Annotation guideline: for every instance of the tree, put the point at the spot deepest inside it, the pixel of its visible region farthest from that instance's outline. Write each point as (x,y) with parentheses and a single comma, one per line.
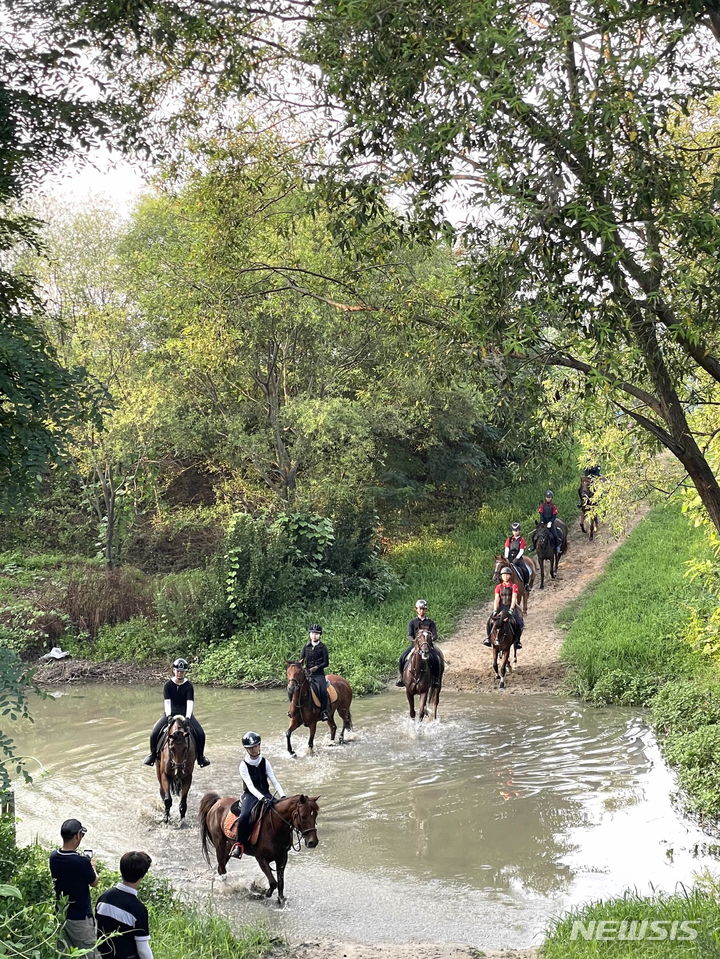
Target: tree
(594,240)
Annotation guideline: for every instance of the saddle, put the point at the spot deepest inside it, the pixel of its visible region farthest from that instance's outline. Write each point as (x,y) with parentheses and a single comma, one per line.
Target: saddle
(332,694)
(229,826)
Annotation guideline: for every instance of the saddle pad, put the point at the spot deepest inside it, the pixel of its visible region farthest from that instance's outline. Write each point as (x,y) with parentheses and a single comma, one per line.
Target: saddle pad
(332,695)
(229,825)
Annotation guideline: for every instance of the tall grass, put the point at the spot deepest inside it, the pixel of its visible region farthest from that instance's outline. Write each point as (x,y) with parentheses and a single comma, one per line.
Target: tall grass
(700,907)
(452,571)
(625,634)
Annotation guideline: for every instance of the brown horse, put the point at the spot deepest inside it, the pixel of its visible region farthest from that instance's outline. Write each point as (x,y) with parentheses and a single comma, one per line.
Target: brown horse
(175,764)
(500,561)
(418,678)
(546,551)
(303,711)
(502,637)
(289,818)
(587,507)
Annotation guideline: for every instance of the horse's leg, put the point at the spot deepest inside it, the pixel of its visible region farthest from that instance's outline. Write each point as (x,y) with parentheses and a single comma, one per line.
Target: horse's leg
(165,794)
(542,573)
(265,866)
(221,856)
(344,713)
(436,700)
(294,723)
(495,661)
(280,863)
(183,798)
(313,727)
(423,704)
(332,724)
(411,702)
(503,667)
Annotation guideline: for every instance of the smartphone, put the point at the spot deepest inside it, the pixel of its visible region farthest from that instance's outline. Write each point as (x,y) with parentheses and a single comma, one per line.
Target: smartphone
(88,853)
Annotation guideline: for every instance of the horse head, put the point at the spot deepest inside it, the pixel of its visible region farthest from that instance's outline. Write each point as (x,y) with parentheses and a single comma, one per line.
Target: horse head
(423,642)
(303,819)
(499,563)
(296,681)
(178,740)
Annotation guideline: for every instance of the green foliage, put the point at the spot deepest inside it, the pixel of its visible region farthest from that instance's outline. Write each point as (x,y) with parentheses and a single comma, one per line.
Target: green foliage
(699,904)
(680,708)
(135,641)
(632,622)
(699,747)
(15,685)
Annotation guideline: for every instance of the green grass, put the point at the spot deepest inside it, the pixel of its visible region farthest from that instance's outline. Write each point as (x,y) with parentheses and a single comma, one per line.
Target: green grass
(625,635)
(365,638)
(699,906)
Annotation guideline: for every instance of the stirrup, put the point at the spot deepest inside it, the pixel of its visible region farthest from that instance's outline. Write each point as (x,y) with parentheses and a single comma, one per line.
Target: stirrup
(150,760)
(203,762)
(486,642)
(237,851)
(400,682)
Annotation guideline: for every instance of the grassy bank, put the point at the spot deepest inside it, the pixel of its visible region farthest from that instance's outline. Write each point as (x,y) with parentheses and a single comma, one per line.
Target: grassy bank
(631,641)
(657,927)
(48,599)
(29,924)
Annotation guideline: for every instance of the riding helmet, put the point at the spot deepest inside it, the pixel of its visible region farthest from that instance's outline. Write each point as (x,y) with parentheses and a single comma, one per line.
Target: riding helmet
(181,664)
(515,527)
(505,569)
(251,739)
(315,628)
(549,492)
(421,604)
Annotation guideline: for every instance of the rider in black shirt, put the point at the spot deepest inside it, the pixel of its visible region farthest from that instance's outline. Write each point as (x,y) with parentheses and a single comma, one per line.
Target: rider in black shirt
(421,621)
(315,658)
(179,699)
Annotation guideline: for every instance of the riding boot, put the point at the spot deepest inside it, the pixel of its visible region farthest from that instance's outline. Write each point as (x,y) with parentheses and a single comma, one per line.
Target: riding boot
(518,644)
(203,761)
(400,682)
(151,760)
(237,851)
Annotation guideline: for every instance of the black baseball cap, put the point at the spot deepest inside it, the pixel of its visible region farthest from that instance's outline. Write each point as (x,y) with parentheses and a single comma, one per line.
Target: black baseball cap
(71,827)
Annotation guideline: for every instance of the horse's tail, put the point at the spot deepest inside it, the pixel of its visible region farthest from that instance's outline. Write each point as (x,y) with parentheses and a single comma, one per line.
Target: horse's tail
(206,804)
(348,718)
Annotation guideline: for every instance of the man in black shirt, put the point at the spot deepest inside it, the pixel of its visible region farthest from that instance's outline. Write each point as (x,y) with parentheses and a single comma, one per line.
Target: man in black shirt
(315,657)
(421,621)
(120,913)
(72,875)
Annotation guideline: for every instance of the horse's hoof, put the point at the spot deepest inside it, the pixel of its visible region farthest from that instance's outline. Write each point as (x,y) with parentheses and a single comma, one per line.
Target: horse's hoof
(281,903)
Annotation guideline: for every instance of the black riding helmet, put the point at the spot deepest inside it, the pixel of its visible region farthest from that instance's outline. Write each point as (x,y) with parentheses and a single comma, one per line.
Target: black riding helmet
(315,628)
(181,663)
(549,494)
(251,739)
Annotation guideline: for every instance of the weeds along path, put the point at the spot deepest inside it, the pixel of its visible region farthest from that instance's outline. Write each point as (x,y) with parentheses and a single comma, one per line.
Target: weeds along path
(329,949)
(539,670)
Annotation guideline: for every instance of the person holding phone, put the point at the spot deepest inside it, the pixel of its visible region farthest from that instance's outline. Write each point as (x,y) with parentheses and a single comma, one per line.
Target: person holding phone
(73,873)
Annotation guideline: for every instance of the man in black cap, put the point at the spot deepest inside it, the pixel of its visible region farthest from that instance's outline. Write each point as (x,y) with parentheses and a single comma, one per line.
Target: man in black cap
(73,874)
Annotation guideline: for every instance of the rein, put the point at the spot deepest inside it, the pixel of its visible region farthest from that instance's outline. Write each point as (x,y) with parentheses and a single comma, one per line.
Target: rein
(296,834)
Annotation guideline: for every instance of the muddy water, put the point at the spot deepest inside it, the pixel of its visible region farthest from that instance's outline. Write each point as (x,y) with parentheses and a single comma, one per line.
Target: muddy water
(474,829)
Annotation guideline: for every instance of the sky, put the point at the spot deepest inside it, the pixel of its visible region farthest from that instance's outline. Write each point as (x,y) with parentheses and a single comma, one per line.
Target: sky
(103,176)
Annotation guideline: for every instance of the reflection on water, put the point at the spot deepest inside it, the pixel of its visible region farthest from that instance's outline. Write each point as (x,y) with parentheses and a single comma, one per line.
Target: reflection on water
(503,813)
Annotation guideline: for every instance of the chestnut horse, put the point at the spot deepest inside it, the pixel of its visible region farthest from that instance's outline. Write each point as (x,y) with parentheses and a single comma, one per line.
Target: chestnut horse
(546,551)
(303,711)
(417,676)
(500,561)
(175,764)
(285,820)
(587,507)
(502,637)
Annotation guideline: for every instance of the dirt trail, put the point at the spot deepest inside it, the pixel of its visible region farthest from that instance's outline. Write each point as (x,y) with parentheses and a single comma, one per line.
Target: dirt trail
(539,670)
(389,950)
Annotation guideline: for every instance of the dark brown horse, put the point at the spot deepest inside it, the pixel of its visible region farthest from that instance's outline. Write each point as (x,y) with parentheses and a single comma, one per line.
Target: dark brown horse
(175,764)
(304,712)
(502,637)
(587,507)
(418,678)
(500,561)
(543,543)
(287,819)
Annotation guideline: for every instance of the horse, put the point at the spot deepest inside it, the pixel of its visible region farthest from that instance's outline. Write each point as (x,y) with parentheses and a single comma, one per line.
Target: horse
(417,676)
(175,763)
(587,506)
(284,820)
(516,578)
(546,550)
(502,637)
(304,712)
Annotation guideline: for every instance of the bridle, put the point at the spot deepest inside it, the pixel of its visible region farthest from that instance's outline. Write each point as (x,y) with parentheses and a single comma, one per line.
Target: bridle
(296,833)
(178,768)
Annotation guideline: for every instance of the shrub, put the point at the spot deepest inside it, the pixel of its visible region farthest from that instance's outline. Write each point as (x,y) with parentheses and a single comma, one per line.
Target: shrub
(702,786)
(136,641)
(698,748)
(100,597)
(185,539)
(624,688)
(684,706)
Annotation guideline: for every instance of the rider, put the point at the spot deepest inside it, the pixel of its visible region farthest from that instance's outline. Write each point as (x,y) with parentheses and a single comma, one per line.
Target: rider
(548,514)
(315,658)
(421,621)
(592,472)
(257,776)
(506,597)
(179,697)
(515,546)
